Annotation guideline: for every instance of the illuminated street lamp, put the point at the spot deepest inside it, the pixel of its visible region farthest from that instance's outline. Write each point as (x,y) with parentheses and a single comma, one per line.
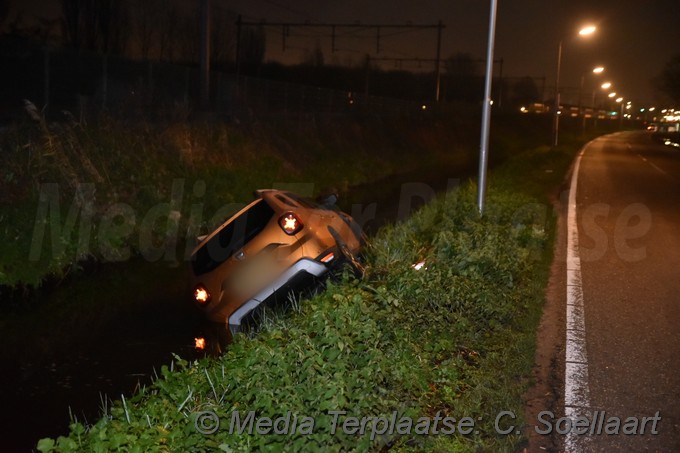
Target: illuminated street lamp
(620,101)
(585,31)
(597,71)
(612,94)
(606,85)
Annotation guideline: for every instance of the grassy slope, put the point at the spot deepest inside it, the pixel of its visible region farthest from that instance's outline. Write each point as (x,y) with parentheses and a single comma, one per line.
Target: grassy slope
(136,164)
(457,337)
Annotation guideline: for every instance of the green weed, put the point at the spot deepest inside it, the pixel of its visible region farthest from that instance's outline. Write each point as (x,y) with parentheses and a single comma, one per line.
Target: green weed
(454,338)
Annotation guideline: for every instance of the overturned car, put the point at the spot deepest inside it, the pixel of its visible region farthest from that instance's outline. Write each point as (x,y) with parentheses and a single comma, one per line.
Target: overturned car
(277,239)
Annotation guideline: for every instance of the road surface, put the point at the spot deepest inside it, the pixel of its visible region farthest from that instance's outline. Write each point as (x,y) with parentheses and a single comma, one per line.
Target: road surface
(615,291)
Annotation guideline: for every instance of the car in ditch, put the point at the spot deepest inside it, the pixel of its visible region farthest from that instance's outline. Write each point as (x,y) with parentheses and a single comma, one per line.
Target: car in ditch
(277,241)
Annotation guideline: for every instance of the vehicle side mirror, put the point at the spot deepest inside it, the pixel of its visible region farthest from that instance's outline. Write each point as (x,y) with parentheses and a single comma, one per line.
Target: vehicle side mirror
(327,200)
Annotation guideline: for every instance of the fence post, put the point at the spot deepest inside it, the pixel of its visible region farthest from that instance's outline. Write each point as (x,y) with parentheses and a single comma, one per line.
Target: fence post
(217,77)
(267,97)
(46,77)
(150,82)
(187,75)
(105,80)
(302,100)
(285,97)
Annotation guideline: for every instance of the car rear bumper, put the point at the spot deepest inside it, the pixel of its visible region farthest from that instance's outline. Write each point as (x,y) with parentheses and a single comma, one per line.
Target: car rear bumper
(308,266)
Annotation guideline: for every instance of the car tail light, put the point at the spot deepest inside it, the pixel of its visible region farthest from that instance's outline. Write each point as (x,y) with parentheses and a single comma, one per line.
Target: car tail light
(290,223)
(201,295)
(328,258)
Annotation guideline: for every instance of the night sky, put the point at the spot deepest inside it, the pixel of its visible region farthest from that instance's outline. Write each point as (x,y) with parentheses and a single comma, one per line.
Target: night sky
(635,38)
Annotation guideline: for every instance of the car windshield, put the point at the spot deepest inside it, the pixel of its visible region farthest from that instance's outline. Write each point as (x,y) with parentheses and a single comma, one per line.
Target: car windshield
(232,237)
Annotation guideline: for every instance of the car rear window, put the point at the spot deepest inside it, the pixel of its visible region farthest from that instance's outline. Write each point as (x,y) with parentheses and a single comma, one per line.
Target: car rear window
(304,201)
(232,237)
(286,201)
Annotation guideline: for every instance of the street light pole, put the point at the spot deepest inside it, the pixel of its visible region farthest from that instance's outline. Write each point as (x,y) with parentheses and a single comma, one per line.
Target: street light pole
(205,55)
(486,113)
(556,113)
(597,71)
(620,101)
(588,30)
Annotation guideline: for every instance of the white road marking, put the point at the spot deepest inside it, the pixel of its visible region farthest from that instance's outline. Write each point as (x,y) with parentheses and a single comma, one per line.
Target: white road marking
(654,166)
(576,390)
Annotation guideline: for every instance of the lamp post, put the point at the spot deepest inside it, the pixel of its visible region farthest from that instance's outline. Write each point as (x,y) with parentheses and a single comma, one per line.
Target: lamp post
(620,101)
(610,106)
(486,112)
(597,71)
(585,31)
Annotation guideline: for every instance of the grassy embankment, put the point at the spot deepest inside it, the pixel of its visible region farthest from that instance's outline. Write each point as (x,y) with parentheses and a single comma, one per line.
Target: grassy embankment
(455,338)
(134,166)
(108,261)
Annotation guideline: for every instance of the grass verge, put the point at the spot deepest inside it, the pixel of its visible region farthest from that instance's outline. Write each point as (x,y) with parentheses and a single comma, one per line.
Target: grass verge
(455,338)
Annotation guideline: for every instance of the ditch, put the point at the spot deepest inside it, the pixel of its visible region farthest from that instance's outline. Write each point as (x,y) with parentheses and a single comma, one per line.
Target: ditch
(59,363)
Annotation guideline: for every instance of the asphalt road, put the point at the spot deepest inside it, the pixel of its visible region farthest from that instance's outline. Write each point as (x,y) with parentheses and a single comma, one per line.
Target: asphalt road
(628,216)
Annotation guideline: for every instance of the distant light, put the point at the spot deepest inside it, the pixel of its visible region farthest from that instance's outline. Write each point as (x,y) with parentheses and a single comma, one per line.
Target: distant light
(611,95)
(642,110)
(598,70)
(606,85)
(651,109)
(619,99)
(491,102)
(423,107)
(589,30)
(419,265)
(523,109)
(199,343)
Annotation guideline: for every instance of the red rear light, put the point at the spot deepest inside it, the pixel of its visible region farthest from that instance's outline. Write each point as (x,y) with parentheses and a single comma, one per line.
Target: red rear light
(328,258)
(290,223)
(201,295)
